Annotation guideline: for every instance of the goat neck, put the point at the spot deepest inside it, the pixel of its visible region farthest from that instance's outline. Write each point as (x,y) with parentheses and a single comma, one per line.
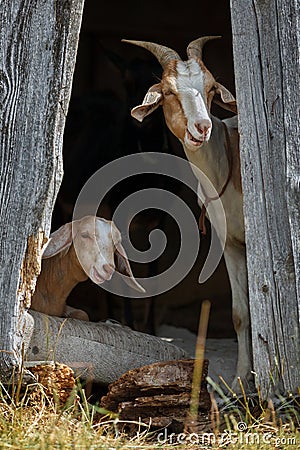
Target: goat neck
(211,157)
(59,275)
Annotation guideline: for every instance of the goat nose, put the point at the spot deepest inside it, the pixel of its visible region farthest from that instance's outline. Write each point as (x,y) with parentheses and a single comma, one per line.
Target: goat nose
(109,268)
(203,126)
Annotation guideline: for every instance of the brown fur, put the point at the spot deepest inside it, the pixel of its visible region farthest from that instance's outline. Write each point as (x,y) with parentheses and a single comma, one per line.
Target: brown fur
(210,156)
(59,275)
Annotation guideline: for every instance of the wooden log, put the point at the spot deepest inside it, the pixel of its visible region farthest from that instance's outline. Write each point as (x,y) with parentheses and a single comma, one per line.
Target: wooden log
(101,351)
(157,394)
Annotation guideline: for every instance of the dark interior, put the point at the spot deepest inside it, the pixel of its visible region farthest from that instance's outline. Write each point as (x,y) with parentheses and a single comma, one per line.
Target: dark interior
(110,78)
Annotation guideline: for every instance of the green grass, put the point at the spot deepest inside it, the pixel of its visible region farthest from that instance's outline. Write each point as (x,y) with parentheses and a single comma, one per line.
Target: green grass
(33,420)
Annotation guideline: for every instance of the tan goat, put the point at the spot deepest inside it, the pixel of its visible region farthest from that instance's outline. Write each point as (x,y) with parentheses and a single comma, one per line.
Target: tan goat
(86,248)
(186,92)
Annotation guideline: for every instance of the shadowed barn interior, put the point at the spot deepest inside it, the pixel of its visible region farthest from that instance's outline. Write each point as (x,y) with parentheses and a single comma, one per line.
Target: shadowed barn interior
(110,78)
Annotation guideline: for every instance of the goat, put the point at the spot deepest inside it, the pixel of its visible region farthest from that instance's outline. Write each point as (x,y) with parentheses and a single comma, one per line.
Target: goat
(86,248)
(186,92)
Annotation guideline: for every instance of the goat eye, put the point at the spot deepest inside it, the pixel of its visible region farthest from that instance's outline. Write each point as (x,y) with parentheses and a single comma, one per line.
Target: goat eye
(85,235)
(166,93)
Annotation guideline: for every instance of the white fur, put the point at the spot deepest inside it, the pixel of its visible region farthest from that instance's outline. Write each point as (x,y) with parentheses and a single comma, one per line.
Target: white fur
(86,248)
(211,159)
(190,86)
(207,150)
(96,251)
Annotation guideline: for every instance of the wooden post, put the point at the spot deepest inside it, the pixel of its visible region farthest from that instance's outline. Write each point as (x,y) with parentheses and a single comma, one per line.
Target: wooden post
(266,39)
(38,45)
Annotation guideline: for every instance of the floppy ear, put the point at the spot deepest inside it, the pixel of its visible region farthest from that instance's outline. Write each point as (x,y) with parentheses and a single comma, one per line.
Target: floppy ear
(60,240)
(122,266)
(151,101)
(226,99)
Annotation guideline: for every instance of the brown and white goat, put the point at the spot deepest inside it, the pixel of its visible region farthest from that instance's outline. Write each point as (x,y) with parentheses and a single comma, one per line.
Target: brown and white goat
(86,248)
(186,92)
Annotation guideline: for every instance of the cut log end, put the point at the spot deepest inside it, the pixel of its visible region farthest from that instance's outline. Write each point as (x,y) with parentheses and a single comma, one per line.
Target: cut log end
(55,382)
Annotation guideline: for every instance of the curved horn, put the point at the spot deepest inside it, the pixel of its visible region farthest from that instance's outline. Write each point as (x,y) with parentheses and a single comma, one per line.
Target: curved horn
(194,49)
(162,53)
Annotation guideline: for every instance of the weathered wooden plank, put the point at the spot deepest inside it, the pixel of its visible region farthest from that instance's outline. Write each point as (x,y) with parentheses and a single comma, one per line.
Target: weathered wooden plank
(267,76)
(289,35)
(37,57)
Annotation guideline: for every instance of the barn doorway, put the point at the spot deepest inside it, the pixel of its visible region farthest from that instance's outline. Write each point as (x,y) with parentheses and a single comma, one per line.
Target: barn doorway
(110,78)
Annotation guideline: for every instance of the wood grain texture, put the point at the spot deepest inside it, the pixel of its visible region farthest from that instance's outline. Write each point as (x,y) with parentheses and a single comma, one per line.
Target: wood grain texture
(101,351)
(159,395)
(37,57)
(266,38)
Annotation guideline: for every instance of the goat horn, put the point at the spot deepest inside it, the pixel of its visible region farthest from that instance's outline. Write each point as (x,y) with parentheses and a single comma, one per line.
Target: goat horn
(194,49)
(162,53)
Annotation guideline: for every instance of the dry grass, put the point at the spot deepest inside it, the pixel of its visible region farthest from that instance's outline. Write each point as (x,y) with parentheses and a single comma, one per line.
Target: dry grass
(34,419)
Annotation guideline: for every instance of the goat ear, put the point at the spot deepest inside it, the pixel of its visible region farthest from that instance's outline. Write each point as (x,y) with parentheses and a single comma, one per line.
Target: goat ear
(122,266)
(60,240)
(226,99)
(151,101)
